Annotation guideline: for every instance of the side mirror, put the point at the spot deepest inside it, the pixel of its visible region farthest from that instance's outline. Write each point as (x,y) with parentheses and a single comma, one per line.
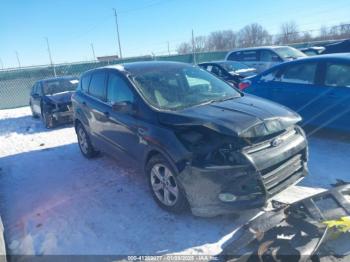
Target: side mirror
(123,107)
(35,96)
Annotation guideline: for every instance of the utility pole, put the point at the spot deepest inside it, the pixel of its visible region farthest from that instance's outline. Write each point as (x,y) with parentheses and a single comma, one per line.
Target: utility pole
(50,57)
(168,48)
(93,51)
(193,48)
(19,63)
(118,36)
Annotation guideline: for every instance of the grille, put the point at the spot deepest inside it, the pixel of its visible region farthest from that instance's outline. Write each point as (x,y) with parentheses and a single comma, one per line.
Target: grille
(279,176)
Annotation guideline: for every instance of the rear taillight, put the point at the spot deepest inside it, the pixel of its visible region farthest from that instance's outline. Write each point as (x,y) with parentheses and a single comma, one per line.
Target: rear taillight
(243,85)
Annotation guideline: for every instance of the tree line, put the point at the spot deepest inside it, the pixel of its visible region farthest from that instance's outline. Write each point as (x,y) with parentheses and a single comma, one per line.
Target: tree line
(256,35)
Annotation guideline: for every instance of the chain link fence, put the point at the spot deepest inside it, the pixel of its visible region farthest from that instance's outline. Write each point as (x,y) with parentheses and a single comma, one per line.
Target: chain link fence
(15,84)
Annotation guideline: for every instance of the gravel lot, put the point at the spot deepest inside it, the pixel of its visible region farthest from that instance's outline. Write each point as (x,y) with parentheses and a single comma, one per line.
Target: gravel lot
(54,201)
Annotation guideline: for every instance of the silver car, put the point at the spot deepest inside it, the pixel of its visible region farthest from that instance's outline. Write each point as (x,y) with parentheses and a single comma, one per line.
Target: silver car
(263,58)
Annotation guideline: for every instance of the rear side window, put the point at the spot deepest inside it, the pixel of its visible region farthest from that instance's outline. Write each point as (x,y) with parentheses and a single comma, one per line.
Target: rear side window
(300,73)
(118,90)
(85,81)
(337,75)
(97,87)
(235,56)
(250,56)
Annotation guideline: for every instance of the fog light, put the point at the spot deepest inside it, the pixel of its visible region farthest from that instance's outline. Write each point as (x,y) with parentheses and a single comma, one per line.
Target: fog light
(227,197)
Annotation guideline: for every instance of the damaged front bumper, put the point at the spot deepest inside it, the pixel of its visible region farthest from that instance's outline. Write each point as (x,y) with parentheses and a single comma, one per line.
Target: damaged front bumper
(317,226)
(267,170)
(63,113)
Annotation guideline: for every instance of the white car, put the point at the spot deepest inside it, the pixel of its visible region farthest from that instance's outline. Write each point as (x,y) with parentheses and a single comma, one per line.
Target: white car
(263,58)
(2,243)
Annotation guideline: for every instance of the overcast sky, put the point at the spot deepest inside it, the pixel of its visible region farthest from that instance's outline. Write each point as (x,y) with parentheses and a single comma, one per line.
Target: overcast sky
(145,25)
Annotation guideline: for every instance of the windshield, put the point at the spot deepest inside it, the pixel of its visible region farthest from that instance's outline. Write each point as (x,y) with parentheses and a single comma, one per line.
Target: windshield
(234,66)
(289,52)
(181,87)
(59,85)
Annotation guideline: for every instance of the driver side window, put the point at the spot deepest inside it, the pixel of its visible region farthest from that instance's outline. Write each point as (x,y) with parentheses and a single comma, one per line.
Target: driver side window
(118,90)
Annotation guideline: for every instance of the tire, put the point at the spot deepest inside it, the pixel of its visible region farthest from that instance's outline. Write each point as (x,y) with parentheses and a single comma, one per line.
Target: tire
(165,188)
(33,114)
(84,142)
(48,119)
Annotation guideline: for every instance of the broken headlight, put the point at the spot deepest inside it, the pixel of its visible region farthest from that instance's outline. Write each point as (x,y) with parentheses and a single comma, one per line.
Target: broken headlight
(227,154)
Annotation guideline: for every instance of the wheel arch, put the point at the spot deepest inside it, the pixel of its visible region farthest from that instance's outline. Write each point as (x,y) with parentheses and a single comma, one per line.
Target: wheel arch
(156,151)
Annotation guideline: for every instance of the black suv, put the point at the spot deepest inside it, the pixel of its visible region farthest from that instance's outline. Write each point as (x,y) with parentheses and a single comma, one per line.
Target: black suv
(200,142)
(50,99)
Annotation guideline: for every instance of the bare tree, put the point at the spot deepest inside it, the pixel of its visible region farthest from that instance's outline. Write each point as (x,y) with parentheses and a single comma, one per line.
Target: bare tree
(289,33)
(324,34)
(184,48)
(253,35)
(221,40)
(200,44)
(305,37)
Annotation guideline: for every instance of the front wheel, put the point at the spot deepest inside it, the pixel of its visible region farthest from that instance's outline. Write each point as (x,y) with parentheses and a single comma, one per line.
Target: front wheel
(49,120)
(164,185)
(33,113)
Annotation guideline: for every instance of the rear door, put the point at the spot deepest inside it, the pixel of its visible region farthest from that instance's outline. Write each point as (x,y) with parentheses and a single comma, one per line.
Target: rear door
(95,105)
(251,59)
(248,57)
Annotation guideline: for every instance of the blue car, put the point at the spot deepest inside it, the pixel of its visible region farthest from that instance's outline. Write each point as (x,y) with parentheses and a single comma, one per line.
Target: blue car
(318,88)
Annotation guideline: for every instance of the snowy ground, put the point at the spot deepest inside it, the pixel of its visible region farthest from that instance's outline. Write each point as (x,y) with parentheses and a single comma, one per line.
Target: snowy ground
(54,201)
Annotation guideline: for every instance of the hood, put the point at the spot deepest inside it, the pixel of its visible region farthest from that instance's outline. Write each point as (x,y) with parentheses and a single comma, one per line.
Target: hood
(60,98)
(247,116)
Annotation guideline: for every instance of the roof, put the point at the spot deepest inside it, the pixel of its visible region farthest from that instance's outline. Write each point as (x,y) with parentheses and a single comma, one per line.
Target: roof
(138,67)
(338,56)
(221,62)
(58,78)
(258,47)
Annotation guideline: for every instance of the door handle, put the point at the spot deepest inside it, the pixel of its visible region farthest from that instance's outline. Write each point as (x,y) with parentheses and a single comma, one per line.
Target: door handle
(106,114)
(83,103)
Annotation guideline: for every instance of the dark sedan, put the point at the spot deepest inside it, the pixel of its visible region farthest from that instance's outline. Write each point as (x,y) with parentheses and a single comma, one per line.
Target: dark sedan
(318,88)
(230,71)
(50,99)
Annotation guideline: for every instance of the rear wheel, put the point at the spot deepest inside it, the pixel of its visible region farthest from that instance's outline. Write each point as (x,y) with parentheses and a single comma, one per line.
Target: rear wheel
(164,185)
(84,142)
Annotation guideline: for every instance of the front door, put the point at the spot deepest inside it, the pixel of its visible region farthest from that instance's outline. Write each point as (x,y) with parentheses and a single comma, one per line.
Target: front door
(121,129)
(36,97)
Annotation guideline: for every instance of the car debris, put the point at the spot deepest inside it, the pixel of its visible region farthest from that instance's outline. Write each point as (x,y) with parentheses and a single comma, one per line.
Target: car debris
(312,228)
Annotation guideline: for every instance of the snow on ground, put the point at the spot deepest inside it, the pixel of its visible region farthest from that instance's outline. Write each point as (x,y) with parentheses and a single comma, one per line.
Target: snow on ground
(54,201)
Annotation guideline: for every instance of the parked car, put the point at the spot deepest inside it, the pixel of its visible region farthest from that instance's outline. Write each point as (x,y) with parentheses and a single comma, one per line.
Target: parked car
(199,141)
(263,58)
(318,88)
(230,71)
(313,50)
(339,47)
(50,99)
(2,243)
